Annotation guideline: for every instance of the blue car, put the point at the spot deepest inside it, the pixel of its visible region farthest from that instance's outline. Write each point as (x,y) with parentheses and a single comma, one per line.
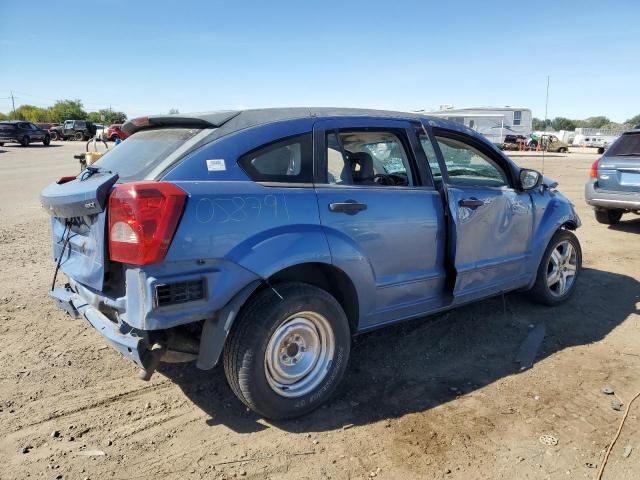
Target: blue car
(266,239)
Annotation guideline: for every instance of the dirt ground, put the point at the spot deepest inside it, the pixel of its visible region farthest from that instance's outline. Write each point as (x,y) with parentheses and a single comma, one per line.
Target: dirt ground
(440,397)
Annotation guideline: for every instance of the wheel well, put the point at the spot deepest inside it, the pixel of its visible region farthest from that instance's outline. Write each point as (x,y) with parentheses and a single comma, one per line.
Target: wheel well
(330,279)
(570,225)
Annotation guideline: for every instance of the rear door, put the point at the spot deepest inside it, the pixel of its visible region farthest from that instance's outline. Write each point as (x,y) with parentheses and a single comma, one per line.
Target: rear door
(619,168)
(382,216)
(491,222)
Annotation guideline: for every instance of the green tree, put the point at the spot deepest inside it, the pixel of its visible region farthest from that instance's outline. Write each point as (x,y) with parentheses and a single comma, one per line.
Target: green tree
(31,113)
(596,122)
(67,110)
(107,116)
(562,123)
(4,116)
(632,122)
(541,124)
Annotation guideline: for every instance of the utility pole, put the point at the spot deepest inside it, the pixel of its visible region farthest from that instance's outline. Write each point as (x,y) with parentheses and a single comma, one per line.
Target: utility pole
(14,105)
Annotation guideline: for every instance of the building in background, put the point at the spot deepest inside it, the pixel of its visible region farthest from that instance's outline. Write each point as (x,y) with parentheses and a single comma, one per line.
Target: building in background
(493,123)
(596,137)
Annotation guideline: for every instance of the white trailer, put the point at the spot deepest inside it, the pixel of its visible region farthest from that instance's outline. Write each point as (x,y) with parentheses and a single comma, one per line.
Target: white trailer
(493,123)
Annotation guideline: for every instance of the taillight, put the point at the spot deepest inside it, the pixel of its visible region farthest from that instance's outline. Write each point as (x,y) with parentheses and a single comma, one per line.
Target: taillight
(66,179)
(594,169)
(143,217)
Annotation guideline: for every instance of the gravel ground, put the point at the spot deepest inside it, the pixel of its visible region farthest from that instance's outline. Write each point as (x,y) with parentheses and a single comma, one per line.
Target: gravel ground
(440,397)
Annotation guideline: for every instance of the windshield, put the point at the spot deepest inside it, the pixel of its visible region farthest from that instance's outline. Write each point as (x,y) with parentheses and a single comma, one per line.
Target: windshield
(627,145)
(139,154)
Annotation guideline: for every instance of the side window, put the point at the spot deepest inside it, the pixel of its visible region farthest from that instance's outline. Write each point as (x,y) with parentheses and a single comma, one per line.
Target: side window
(289,161)
(430,153)
(517,117)
(468,167)
(367,158)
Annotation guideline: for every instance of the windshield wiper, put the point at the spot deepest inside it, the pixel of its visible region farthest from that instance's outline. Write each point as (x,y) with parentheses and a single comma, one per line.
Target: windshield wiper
(90,170)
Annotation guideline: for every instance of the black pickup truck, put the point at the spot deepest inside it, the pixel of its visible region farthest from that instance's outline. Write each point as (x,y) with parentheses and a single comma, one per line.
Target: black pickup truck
(73,130)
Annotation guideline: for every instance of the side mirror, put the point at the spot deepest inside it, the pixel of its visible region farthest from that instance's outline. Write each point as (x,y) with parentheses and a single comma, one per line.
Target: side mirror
(530,179)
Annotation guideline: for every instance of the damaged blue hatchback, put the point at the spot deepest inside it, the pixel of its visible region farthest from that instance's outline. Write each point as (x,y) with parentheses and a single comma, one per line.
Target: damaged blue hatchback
(268,238)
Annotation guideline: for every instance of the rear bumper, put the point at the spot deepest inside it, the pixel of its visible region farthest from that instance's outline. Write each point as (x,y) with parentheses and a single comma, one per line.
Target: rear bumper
(608,199)
(121,337)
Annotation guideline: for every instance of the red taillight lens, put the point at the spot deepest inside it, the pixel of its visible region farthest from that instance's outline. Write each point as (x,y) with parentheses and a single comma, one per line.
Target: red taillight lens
(143,217)
(140,121)
(594,169)
(66,179)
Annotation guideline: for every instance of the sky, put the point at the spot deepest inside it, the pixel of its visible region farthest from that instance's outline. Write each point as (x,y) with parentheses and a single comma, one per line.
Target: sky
(145,57)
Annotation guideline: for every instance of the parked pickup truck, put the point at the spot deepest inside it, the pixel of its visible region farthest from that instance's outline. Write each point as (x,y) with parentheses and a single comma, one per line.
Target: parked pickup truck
(73,130)
(266,239)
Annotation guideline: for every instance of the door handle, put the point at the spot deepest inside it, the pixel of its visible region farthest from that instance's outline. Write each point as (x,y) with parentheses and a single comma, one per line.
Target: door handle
(350,207)
(471,203)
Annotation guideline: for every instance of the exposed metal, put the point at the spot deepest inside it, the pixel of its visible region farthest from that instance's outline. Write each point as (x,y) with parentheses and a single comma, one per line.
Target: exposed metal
(299,354)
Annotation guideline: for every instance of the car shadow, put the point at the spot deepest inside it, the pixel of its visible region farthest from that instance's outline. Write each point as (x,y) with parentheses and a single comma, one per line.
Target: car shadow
(631,226)
(417,365)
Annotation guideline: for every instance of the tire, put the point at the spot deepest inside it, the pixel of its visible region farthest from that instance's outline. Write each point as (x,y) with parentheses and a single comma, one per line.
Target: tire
(55,136)
(284,328)
(546,290)
(1,144)
(600,150)
(25,141)
(114,137)
(562,150)
(47,140)
(78,136)
(608,216)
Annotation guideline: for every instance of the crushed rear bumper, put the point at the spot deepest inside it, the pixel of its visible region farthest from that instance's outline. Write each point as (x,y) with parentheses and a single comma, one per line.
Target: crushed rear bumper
(122,337)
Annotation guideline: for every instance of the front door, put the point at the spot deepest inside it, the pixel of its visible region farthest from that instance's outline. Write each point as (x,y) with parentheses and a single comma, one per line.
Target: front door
(491,222)
(383,220)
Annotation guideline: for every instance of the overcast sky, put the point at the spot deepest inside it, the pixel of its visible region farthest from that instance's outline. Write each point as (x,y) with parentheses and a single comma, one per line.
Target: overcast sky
(148,57)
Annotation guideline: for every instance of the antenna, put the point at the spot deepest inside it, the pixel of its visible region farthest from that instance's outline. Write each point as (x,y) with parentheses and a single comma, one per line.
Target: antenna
(546,111)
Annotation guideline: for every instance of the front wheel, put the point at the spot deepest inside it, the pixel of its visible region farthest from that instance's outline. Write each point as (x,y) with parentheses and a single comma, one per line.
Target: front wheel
(24,141)
(79,136)
(55,136)
(286,356)
(608,216)
(559,269)
(47,140)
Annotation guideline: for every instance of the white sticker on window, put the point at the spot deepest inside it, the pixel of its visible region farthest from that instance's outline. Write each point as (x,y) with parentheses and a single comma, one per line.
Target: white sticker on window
(216,165)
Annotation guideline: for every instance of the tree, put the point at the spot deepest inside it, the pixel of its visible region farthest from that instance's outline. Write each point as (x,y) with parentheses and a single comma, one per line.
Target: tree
(562,123)
(541,124)
(632,122)
(4,116)
(596,122)
(31,113)
(67,110)
(107,116)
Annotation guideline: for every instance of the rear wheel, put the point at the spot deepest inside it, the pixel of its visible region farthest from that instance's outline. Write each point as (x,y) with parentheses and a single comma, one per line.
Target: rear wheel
(114,137)
(1,144)
(608,216)
(559,269)
(563,150)
(47,140)
(285,357)
(79,136)
(24,141)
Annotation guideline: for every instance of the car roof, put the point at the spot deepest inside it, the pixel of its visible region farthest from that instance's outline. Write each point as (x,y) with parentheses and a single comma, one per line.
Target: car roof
(234,120)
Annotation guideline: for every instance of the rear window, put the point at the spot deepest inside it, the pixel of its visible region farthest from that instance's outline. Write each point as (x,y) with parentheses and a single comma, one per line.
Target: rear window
(628,144)
(139,154)
(7,126)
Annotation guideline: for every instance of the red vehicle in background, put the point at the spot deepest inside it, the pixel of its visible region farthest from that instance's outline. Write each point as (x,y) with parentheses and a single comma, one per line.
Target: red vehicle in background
(115,131)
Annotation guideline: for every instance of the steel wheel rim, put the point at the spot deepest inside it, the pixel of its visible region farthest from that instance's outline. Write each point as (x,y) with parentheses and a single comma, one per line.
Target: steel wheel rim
(299,354)
(562,269)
